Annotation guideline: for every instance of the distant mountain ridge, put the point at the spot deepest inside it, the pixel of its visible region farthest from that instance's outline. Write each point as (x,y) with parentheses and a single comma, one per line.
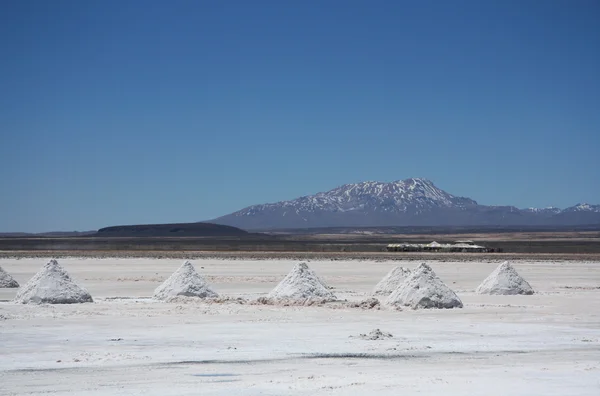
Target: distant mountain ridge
(414,202)
(200,229)
(46,234)
(171,230)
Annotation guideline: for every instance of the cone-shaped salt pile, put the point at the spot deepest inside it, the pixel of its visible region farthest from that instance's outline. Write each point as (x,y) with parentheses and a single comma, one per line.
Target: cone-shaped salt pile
(52,285)
(6,280)
(423,289)
(184,282)
(504,280)
(301,284)
(391,281)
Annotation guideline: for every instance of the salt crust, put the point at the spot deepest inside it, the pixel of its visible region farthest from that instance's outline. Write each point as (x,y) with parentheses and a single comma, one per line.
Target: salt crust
(52,285)
(423,289)
(7,281)
(391,281)
(186,281)
(301,284)
(504,280)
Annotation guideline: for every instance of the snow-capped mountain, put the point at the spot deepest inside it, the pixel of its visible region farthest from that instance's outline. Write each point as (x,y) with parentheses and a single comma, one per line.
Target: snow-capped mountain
(399,196)
(583,207)
(412,201)
(548,210)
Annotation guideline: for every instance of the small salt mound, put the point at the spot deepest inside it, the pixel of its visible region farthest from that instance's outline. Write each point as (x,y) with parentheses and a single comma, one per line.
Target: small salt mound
(423,289)
(505,281)
(375,335)
(7,281)
(301,284)
(184,282)
(52,285)
(391,281)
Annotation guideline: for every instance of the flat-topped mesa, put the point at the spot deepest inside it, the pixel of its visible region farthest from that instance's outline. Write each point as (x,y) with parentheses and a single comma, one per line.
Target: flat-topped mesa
(423,289)
(186,281)
(504,280)
(52,285)
(391,281)
(7,281)
(301,284)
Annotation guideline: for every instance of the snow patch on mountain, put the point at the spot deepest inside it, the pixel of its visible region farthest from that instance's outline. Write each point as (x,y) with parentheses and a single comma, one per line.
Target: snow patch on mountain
(398,196)
(583,207)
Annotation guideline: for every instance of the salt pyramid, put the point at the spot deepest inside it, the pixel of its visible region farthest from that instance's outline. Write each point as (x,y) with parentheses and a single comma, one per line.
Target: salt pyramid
(423,289)
(391,281)
(301,284)
(6,280)
(184,282)
(504,280)
(52,285)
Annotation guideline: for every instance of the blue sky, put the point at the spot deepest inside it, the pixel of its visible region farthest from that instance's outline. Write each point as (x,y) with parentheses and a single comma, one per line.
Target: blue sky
(122,112)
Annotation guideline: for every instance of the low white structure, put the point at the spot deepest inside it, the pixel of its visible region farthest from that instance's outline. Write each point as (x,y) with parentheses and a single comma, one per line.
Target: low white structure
(459,246)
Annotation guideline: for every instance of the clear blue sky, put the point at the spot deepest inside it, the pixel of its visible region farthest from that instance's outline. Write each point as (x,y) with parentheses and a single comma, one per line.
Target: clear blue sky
(121,112)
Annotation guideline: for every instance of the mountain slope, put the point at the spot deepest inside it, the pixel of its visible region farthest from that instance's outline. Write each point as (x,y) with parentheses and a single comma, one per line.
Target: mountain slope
(412,201)
(579,214)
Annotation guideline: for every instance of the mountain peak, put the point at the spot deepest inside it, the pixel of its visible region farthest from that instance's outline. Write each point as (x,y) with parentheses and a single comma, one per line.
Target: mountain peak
(417,180)
(584,207)
(402,193)
(357,202)
(408,202)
